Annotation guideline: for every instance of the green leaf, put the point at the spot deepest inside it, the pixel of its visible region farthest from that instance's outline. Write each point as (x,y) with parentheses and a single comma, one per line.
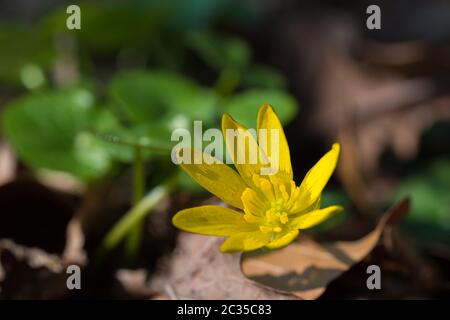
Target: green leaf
(108,130)
(26,53)
(218,51)
(49,130)
(244,107)
(429,219)
(155,138)
(120,141)
(132,217)
(151,97)
(263,77)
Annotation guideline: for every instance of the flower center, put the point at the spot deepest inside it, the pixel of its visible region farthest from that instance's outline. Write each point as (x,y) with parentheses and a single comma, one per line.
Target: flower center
(275,217)
(270,203)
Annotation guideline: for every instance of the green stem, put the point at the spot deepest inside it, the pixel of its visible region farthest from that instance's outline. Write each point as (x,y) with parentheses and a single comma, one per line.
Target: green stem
(134,238)
(136,214)
(138,175)
(226,83)
(149,145)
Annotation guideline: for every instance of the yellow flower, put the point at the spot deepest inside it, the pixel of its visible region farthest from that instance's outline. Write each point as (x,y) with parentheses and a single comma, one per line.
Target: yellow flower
(273,208)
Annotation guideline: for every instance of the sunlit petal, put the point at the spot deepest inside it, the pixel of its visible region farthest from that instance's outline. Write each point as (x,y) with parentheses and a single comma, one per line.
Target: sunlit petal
(314,217)
(245,241)
(317,177)
(212,220)
(217,178)
(243,148)
(268,121)
(283,240)
(253,203)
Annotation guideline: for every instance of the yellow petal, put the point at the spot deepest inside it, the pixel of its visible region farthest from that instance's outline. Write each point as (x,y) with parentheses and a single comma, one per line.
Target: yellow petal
(243,148)
(253,204)
(217,178)
(306,206)
(314,217)
(317,177)
(283,240)
(268,120)
(245,241)
(212,220)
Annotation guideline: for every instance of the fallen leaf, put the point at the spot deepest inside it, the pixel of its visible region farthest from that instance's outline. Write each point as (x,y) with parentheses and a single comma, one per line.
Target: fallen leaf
(306,267)
(60,181)
(31,265)
(7,163)
(74,252)
(198,270)
(30,273)
(133,284)
(34,215)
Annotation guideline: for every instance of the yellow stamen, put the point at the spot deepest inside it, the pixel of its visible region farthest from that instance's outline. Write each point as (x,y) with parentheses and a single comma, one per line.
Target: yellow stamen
(265,229)
(270,215)
(284,218)
(277,229)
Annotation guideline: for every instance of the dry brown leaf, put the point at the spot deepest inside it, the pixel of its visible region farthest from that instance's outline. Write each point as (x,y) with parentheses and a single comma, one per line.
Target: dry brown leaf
(7,163)
(60,181)
(198,270)
(30,273)
(133,284)
(305,268)
(74,248)
(31,266)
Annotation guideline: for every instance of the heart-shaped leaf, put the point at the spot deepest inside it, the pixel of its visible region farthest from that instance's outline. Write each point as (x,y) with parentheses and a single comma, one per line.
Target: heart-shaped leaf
(50,130)
(429,220)
(218,51)
(162,97)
